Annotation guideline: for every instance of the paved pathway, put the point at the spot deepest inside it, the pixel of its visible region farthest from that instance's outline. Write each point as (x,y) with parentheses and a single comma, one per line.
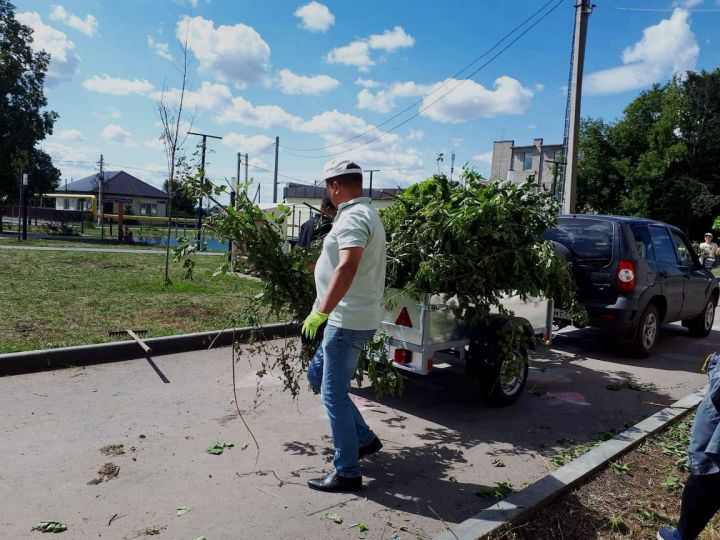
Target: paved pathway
(442,446)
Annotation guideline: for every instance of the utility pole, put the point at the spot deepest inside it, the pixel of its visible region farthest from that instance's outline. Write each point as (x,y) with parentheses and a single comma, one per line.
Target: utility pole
(583,9)
(101,182)
(24,206)
(237,174)
(198,220)
(371,171)
(452,165)
(247,178)
(277,146)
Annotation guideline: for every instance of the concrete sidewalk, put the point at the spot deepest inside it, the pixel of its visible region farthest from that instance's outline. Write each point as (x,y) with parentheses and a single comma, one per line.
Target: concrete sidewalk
(441,444)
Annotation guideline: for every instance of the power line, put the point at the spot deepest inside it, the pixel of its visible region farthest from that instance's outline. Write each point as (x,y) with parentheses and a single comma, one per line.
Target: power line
(455,75)
(524,32)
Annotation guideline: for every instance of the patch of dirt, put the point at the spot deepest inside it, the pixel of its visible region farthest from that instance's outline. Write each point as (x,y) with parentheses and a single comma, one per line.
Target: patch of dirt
(107,472)
(630,499)
(113,450)
(198,311)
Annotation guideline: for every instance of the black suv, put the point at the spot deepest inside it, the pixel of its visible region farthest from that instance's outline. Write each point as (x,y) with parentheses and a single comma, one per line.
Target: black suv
(635,274)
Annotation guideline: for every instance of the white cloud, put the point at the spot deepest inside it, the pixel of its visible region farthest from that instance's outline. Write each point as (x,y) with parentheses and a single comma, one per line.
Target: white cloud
(539,87)
(105,84)
(383,101)
(391,40)
(687,3)
(532,126)
(64,62)
(235,53)
(415,135)
(254,144)
(315,16)
(209,96)
(161,49)
(265,116)
(667,47)
(63,153)
(70,135)
(387,151)
(357,53)
(367,83)
(293,84)
(473,100)
(115,133)
(87,26)
(456,141)
(485,157)
(155,144)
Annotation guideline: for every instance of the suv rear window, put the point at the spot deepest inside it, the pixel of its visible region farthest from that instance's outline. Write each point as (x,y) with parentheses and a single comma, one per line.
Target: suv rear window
(590,241)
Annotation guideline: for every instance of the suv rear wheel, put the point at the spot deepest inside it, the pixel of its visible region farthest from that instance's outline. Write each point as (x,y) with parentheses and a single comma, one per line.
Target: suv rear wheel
(647,331)
(701,325)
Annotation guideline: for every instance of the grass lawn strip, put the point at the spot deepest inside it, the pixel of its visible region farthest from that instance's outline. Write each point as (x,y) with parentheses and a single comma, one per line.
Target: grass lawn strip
(629,499)
(58,299)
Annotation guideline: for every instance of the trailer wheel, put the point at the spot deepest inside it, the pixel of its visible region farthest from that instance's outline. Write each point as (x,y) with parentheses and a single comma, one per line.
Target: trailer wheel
(504,382)
(501,382)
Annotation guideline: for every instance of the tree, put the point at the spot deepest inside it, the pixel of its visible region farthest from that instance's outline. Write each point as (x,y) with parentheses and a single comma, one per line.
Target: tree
(661,160)
(170,111)
(23,122)
(182,202)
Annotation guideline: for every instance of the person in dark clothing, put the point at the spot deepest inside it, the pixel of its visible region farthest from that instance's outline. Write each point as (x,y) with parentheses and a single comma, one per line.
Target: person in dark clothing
(318,225)
(701,497)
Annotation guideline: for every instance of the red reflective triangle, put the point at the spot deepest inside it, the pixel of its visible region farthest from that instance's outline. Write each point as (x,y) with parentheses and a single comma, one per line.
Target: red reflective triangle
(404,318)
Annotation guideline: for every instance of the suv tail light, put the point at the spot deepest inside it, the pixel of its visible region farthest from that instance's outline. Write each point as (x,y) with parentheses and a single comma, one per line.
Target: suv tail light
(626,276)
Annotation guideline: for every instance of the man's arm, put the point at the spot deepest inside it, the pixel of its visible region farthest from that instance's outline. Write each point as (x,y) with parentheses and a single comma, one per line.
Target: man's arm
(341,279)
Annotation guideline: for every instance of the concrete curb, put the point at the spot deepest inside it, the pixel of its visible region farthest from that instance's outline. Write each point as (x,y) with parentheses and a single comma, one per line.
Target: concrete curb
(523,504)
(30,361)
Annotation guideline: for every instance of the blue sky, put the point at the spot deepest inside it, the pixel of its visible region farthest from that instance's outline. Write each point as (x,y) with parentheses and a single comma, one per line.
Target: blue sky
(327,78)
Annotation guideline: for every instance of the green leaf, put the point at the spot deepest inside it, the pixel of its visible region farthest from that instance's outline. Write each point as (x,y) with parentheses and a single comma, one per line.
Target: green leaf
(363,526)
(50,527)
(218,448)
(182,510)
(334,517)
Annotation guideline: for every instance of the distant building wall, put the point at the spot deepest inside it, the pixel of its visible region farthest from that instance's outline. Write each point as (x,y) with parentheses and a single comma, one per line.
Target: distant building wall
(516,163)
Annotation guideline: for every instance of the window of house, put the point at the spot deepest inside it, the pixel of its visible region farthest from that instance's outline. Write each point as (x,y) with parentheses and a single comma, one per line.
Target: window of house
(148,209)
(66,204)
(527,161)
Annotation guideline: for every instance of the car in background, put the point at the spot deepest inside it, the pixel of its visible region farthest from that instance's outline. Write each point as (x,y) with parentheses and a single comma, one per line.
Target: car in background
(634,275)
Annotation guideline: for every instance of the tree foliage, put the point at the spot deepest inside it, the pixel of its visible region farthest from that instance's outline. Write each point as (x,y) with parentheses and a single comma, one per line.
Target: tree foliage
(23,120)
(661,159)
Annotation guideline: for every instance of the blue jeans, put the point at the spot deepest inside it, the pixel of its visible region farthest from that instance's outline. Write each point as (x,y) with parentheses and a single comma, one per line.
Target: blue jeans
(704,451)
(330,371)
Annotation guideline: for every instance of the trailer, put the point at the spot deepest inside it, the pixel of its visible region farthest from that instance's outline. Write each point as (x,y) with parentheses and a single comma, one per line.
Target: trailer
(426,333)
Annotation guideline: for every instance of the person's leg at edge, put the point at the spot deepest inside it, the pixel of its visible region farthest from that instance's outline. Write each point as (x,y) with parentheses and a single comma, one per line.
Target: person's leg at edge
(700,502)
(342,351)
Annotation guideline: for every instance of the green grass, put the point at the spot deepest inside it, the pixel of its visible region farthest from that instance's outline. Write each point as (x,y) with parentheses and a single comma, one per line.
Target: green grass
(57,299)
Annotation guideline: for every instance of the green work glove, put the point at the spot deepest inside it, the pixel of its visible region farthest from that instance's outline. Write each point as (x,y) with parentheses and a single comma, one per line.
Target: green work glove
(312,323)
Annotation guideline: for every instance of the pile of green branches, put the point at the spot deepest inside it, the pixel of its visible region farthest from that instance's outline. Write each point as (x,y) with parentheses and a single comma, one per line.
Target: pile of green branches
(477,240)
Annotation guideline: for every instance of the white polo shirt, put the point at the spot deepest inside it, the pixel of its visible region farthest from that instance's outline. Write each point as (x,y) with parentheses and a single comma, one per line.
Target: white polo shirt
(356,224)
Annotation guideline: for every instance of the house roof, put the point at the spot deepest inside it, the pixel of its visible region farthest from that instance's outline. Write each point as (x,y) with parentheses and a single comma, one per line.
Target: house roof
(116,183)
(302,191)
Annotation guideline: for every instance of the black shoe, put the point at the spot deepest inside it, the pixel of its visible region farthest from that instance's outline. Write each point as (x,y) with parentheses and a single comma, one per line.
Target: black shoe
(335,482)
(370,448)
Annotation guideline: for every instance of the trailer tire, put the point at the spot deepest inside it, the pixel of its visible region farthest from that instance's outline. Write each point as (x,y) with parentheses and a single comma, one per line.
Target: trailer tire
(501,382)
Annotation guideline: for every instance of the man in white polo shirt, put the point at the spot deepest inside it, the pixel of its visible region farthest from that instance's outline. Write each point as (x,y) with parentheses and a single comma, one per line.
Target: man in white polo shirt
(349,280)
